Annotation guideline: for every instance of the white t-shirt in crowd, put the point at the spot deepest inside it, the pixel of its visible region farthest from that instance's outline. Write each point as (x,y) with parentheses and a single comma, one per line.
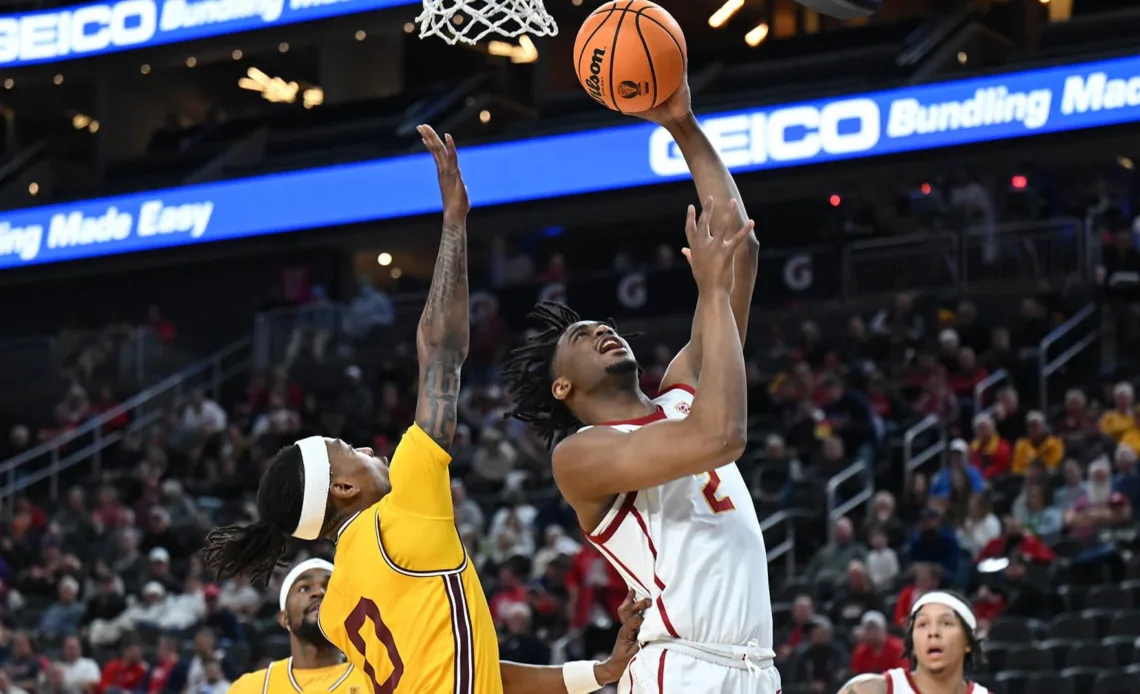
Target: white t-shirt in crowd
(81,673)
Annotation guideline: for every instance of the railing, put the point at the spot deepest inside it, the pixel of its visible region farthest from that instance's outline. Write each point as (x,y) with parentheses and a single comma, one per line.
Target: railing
(279,334)
(911,460)
(835,510)
(985,385)
(785,549)
(51,458)
(1087,317)
(1049,249)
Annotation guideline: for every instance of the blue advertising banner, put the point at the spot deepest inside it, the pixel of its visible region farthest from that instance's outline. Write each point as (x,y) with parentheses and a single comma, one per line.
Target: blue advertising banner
(900,120)
(105,27)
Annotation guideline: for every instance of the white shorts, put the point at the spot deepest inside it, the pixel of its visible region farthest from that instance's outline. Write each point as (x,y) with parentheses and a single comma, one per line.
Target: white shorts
(658,670)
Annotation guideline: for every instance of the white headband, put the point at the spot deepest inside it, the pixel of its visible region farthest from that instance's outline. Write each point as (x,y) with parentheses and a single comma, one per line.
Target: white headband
(939,597)
(315,458)
(296,571)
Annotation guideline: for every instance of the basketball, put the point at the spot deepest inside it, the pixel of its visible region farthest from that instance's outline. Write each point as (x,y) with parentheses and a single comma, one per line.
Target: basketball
(630,55)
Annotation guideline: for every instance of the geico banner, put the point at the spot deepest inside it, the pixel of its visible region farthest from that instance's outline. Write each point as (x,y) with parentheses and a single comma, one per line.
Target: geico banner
(900,120)
(103,27)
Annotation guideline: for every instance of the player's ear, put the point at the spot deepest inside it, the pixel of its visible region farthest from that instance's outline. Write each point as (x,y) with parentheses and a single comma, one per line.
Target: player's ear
(561,388)
(283,621)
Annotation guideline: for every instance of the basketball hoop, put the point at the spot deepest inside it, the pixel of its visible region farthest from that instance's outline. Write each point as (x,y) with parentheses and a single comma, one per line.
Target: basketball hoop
(468,21)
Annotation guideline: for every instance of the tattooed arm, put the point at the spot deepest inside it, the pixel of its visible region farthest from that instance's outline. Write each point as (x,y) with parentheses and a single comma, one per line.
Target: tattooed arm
(865,684)
(444,331)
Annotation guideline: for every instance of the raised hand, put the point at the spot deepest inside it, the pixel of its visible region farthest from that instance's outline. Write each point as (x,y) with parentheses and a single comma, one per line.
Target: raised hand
(677,108)
(713,239)
(456,205)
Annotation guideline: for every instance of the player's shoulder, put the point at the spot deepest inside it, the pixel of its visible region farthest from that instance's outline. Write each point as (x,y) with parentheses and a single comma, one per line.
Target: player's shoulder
(675,400)
(250,682)
(866,684)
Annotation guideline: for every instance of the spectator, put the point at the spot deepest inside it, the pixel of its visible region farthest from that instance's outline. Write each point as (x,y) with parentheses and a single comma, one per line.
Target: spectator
(557,545)
(883,519)
(989,452)
(882,562)
(205,653)
(935,544)
(512,587)
(1100,509)
(168,674)
(1007,415)
(878,650)
(1037,515)
(213,680)
(956,482)
(1127,481)
(803,612)
(124,674)
(370,310)
(832,560)
(849,416)
(1077,427)
(1017,538)
(517,644)
(854,597)
(1023,597)
(204,417)
(159,572)
(926,577)
(7,687)
(596,591)
(25,666)
(78,674)
(1073,486)
(1120,421)
(980,526)
(1038,444)
(63,617)
(220,619)
(822,663)
(467,512)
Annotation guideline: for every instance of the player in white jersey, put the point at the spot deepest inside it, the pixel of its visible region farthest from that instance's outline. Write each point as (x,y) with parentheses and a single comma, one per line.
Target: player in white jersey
(654,482)
(941,643)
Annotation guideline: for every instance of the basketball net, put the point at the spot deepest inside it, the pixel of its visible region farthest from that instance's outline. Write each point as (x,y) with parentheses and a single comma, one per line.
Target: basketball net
(468,21)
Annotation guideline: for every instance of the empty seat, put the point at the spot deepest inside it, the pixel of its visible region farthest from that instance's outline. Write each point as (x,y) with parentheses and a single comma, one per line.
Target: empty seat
(1011,630)
(1116,683)
(1014,682)
(1029,659)
(1074,596)
(1109,598)
(996,654)
(1127,624)
(1124,646)
(1049,683)
(1091,654)
(1083,676)
(1072,626)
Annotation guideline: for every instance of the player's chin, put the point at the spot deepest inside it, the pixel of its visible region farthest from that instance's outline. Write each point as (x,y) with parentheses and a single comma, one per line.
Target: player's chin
(620,362)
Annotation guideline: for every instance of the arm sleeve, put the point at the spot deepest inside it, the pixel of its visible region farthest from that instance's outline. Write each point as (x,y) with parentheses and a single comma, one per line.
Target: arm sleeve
(417,518)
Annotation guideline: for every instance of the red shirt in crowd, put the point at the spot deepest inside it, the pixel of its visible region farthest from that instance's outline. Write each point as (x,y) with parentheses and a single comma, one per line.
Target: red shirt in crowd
(594,582)
(119,674)
(1030,545)
(992,456)
(963,384)
(907,596)
(159,675)
(868,661)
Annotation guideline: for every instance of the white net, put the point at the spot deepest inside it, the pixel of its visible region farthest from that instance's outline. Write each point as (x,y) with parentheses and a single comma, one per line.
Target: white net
(469,21)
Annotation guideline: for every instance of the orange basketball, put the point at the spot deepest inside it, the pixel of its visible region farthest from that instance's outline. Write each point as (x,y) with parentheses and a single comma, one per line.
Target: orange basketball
(630,55)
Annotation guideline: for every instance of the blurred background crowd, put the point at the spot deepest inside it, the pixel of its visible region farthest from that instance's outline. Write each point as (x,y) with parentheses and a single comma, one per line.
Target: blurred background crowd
(940,371)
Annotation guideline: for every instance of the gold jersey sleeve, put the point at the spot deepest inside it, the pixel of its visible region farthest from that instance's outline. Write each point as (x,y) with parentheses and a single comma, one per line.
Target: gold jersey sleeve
(417,518)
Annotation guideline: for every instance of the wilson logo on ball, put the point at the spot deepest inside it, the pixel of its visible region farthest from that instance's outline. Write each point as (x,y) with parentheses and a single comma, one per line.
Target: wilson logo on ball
(594,81)
(629,89)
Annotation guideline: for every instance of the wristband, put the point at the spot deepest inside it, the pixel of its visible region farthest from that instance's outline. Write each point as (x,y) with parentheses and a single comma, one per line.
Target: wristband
(578,675)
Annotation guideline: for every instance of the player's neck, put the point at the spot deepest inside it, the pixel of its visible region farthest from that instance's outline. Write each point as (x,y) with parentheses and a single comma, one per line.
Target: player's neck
(617,406)
(952,682)
(307,656)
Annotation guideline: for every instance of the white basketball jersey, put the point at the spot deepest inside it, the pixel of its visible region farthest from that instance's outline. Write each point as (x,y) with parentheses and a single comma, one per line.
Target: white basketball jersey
(899,681)
(695,547)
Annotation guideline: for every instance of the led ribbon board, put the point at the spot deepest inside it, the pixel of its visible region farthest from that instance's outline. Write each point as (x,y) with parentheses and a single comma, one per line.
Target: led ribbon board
(843,128)
(82,31)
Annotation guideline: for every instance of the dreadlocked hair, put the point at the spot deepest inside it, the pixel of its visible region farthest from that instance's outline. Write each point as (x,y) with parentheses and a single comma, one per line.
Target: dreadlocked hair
(256,549)
(528,372)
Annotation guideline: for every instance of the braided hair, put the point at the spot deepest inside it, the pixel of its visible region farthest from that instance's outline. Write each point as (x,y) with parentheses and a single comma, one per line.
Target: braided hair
(528,372)
(258,548)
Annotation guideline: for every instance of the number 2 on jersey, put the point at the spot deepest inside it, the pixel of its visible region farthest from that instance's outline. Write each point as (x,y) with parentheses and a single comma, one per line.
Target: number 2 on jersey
(367,611)
(718,505)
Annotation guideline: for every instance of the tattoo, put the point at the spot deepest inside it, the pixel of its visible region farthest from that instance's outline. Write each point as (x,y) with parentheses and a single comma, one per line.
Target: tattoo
(444,335)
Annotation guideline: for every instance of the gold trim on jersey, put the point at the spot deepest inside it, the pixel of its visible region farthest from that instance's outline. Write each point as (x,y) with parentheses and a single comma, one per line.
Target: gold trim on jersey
(293,680)
(417,574)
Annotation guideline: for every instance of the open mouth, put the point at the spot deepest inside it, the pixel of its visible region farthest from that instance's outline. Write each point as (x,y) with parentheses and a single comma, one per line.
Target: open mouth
(312,608)
(934,652)
(608,344)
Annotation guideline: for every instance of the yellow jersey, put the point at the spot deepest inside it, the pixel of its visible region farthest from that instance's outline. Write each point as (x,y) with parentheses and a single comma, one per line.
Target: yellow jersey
(404,601)
(282,678)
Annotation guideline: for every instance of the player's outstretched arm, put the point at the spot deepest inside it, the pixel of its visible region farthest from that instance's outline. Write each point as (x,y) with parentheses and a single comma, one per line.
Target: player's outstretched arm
(444,332)
(601,462)
(712,179)
(572,678)
(865,684)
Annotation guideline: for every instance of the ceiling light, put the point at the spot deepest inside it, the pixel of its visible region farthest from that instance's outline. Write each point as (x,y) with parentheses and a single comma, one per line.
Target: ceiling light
(80,121)
(484,116)
(721,16)
(397,273)
(237,54)
(283,47)
(9,83)
(33,188)
(144,69)
(58,79)
(409,28)
(384,259)
(756,36)
(360,35)
(94,127)
(191,61)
